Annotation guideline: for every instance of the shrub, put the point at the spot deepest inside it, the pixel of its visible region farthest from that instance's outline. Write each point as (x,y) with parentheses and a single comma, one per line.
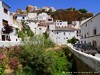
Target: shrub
(37,60)
(72,40)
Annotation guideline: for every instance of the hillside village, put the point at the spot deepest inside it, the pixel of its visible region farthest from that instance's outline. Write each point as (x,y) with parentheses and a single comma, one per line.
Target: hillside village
(46,41)
(40,22)
(59,31)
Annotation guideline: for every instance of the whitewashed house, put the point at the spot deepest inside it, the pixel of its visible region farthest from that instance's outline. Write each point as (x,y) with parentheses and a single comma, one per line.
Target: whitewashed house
(20,17)
(32,16)
(7,32)
(60,23)
(90,31)
(61,31)
(4,13)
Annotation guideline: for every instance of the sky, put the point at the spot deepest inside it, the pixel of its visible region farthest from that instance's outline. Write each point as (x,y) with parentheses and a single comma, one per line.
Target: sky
(90,5)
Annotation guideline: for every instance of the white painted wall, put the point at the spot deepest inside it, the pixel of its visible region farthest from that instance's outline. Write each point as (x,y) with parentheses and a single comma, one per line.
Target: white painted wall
(37,29)
(88,27)
(59,23)
(52,26)
(77,24)
(8,18)
(60,38)
(43,16)
(41,30)
(32,16)
(9,43)
(3,15)
(19,18)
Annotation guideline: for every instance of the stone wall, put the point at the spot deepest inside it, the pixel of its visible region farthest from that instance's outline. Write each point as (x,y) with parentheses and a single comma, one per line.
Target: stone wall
(86,62)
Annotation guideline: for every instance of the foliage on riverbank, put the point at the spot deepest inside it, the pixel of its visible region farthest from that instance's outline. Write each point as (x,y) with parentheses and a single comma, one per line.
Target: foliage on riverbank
(37,56)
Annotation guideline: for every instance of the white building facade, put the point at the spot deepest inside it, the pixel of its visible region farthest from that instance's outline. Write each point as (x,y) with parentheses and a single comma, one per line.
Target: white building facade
(60,32)
(90,31)
(6,24)
(61,36)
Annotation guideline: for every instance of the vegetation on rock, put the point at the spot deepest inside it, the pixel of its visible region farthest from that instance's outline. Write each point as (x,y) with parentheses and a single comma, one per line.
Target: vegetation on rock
(71,14)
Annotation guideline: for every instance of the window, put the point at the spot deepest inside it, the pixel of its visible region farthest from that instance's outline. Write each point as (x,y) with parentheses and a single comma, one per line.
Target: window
(77,33)
(81,42)
(94,31)
(4,22)
(80,31)
(52,30)
(60,21)
(23,17)
(86,24)
(64,33)
(66,37)
(81,36)
(5,11)
(14,17)
(57,32)
(85,36)
(49,19)
(84,42)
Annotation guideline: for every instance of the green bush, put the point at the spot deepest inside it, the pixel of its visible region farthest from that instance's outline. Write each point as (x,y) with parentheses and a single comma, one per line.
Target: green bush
(2,72)
(72,40)
(38,60)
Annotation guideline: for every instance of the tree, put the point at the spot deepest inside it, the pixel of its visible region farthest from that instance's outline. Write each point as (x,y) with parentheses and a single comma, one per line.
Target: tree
(83,10)
(72,9)
(72,40)
(25,32)
(39,60)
